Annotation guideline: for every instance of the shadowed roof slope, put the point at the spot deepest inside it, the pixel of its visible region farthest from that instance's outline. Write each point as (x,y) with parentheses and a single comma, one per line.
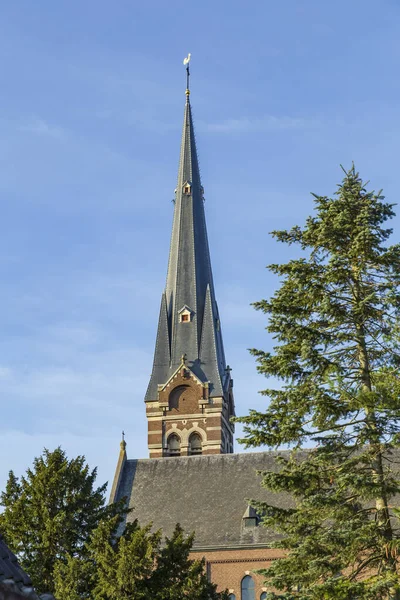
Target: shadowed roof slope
(13,578)
(10,569)
(205,494)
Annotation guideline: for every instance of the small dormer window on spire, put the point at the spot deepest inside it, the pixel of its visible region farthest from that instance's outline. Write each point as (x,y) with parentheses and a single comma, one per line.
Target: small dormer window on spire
(185,315)
(187,188)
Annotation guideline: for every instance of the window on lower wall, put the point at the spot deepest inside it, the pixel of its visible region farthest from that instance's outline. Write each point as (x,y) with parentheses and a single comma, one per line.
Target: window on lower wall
(232,597)
(248,588)
(263,596)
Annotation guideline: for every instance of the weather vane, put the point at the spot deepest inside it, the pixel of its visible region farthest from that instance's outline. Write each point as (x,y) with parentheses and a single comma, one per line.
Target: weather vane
(186,62)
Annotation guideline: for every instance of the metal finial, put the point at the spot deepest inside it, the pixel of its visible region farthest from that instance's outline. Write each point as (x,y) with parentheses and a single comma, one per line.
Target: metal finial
(183,359)
(186,62)
(123,436)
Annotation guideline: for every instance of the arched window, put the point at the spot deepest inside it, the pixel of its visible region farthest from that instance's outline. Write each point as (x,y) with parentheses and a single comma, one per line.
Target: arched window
(232,597)
(174,445)
(248,588)
(263,596)
(195,444)
(177,396)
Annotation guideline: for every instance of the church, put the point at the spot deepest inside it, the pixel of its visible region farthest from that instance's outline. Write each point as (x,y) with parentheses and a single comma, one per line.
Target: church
(192,475)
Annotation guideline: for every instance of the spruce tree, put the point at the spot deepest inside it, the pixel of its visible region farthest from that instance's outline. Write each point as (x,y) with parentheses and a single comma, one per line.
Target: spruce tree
(335,324)
(135,565)
(50,513)
(177,576)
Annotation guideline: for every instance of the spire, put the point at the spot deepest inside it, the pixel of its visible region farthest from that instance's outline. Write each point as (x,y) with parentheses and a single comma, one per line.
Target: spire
(189,400)
(122,458)
(189,321)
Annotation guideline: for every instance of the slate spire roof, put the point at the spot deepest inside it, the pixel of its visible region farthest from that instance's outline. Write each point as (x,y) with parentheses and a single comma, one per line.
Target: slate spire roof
(189,284)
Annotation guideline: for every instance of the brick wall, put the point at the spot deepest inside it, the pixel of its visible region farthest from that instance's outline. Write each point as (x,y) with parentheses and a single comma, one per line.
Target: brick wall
(227,568)
(183,406)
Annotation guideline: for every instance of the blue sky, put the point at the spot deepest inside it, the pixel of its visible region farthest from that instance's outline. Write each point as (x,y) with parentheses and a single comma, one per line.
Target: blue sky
(91,109)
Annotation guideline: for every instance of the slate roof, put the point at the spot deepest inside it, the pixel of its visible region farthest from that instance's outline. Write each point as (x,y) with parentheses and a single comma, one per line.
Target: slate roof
(189,283)
(205,494)
(13,578)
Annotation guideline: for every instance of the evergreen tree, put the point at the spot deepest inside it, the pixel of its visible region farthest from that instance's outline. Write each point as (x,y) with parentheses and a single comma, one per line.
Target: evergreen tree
(134,566)
(335,322)
(177,576)
(51,512)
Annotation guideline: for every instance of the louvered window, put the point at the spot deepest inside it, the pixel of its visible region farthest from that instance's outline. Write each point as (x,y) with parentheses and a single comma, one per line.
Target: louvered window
(195,444)
(174,445)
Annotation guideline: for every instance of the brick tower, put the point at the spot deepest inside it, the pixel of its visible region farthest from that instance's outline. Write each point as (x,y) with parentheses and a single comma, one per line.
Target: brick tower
(189,400)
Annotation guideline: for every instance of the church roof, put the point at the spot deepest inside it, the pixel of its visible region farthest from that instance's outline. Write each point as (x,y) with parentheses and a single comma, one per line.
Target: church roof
(206,494)
(189,284)
(13,579)
(10,569)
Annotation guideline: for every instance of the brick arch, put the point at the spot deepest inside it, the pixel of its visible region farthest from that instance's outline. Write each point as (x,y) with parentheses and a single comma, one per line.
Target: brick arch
(175,432)
(195,429)
(183,399)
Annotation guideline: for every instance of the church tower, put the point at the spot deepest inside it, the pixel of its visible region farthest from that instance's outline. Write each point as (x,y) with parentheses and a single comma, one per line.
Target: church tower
(189,400)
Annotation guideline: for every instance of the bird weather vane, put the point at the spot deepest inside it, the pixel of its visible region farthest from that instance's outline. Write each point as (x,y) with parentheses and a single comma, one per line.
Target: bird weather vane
(186,62)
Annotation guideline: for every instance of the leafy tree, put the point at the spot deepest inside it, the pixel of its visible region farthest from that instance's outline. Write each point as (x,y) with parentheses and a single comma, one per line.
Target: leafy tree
(134,566)
(51,511)
(335,322)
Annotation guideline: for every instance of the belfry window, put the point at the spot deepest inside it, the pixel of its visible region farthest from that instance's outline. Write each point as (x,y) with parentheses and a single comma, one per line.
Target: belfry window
(174,445)
(195,444)
(248,588)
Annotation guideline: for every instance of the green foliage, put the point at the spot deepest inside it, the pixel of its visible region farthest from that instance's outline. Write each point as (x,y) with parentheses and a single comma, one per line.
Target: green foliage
(74,578)
(50,513)
(134,566)
(177,576)
(335,322)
